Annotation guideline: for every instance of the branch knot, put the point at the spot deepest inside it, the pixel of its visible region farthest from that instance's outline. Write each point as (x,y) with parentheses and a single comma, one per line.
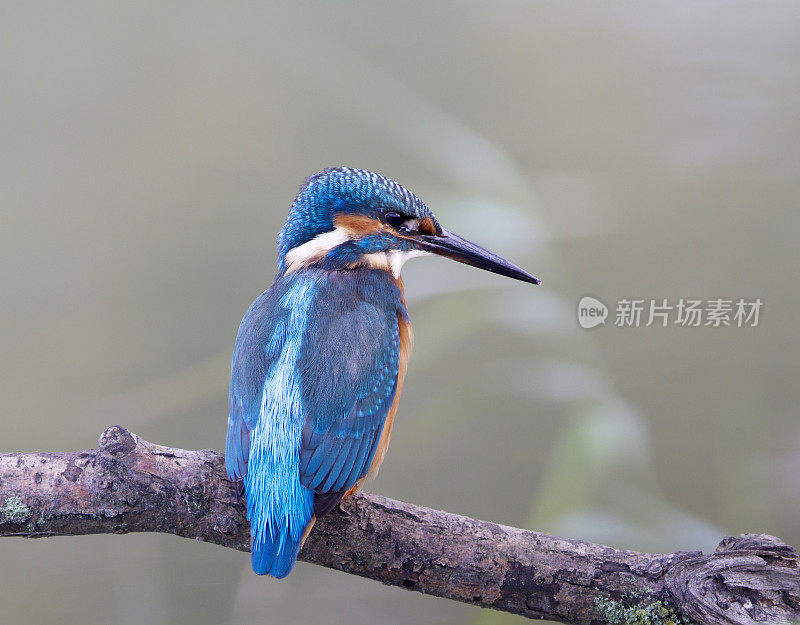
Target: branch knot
(116,442)
(750,579)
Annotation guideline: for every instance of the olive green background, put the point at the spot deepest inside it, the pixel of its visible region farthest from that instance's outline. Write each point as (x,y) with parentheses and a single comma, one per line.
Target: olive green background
(149,153)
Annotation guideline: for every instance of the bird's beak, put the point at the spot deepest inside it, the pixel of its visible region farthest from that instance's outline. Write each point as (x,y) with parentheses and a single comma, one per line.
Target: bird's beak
(453,246)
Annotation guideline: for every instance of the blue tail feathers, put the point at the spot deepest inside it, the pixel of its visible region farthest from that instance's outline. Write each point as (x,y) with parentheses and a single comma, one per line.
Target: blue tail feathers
(274,554)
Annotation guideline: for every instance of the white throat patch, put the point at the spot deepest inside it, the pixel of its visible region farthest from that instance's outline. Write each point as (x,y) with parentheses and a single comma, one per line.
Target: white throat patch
(392,261)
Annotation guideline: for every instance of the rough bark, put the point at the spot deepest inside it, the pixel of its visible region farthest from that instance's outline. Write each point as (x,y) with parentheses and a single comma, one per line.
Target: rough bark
(130,485)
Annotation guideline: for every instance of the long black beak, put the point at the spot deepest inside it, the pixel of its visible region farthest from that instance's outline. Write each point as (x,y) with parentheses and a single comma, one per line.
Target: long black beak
(453,246)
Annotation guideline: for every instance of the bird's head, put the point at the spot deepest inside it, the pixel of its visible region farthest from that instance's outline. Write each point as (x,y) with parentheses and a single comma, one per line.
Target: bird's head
(345,218)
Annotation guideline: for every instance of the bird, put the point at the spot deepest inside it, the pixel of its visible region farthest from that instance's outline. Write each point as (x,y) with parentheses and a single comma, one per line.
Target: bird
(320,356)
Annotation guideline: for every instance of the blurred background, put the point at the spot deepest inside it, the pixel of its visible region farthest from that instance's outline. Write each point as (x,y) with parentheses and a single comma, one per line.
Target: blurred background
(149,154)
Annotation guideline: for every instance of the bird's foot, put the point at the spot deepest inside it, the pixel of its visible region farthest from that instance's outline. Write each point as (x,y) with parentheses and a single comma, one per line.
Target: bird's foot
(239,487)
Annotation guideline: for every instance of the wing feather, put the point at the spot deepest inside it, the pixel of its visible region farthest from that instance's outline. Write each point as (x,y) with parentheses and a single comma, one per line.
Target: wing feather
(349,380)
(259,341)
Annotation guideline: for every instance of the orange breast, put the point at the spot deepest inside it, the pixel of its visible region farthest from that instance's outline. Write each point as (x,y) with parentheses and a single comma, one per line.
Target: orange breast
(406,342)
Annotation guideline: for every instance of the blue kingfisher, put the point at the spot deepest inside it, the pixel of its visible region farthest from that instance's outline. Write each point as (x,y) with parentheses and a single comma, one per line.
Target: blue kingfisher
(320,356)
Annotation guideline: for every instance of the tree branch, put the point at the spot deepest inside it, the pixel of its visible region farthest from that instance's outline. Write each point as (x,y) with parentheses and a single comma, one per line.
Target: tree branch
(130,485)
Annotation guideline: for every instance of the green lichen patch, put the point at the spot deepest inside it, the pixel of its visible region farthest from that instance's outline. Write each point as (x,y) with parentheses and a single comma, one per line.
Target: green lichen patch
(14,510)
(655,613)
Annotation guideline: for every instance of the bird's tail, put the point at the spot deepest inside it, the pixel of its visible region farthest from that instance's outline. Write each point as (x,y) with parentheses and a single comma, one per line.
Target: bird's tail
(274,553)
(278,520)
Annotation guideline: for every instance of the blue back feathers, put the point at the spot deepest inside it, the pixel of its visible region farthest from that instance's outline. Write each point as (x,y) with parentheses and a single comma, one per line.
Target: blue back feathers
(342,189)
(313,376)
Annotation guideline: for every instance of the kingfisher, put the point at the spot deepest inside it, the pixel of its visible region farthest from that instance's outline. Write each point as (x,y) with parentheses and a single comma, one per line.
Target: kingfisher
(321,355)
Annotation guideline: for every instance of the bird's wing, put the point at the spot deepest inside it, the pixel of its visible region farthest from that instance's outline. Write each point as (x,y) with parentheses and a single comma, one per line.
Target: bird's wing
(348,371)
(258,346)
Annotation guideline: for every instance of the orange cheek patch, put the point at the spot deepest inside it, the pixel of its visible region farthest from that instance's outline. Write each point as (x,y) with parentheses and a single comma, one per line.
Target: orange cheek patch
(426,226)
(358,225)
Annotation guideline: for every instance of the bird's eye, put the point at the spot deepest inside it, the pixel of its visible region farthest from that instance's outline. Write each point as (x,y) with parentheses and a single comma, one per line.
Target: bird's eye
(395,220)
